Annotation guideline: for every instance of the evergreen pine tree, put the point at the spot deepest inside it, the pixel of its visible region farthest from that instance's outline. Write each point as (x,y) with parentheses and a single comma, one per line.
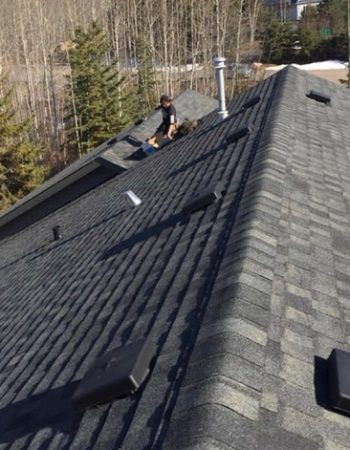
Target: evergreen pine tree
(277,39)
(308,34)
(20,171)
(333,14)
(146,95)
(323,31)
(97,104)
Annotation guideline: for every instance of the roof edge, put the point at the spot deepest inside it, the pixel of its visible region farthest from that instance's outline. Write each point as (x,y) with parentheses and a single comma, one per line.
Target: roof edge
(32,201)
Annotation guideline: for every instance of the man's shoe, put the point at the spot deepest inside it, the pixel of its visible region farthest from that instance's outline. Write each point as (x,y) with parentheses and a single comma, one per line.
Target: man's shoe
(148,148)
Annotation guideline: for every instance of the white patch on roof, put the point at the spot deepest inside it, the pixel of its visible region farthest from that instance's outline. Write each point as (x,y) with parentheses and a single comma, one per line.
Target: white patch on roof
(322,65)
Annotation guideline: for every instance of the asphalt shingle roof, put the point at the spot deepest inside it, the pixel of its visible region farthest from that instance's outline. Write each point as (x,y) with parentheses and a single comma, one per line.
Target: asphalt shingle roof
(243,299)
(189,105)
(108,159)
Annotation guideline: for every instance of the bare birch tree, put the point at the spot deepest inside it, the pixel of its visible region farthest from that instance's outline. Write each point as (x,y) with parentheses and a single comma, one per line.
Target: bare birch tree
(182,38)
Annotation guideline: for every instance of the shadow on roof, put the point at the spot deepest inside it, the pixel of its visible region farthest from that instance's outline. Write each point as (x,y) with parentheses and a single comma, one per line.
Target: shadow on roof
(321,382)
(138,155)
(198,160)
(63,242)
(153,230)
(45,248)
(52,409)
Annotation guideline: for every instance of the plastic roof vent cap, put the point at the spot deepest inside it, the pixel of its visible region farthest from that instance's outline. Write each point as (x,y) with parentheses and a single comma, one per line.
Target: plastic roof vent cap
(203,199)
(238,134)
(118,373)
(56,233)
(319,97)
(339,380)
(132,198)
(251,102)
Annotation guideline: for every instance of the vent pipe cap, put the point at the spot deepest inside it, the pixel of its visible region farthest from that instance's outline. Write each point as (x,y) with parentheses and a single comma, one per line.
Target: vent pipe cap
(132,198)
(56,233)
(219,62)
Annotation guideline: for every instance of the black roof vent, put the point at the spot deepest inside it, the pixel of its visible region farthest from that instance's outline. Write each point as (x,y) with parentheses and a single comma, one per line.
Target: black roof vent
(112,141)
(237,134)
(251,102)
(202,200)
(117,373)
(56,233)
(132,140)
(140,120)
(339,380)
(319,97)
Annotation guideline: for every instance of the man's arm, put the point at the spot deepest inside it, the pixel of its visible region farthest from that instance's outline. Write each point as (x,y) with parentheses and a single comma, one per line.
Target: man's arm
(172,125)
(171,130)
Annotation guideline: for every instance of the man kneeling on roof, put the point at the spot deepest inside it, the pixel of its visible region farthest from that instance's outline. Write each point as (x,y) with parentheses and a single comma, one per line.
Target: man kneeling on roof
(166,129)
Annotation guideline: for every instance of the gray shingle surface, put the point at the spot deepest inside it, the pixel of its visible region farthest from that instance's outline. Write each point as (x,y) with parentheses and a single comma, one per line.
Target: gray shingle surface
(243,299)
(108,159)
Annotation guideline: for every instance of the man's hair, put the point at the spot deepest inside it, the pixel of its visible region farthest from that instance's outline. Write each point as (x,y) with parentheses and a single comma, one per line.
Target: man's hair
(165,98)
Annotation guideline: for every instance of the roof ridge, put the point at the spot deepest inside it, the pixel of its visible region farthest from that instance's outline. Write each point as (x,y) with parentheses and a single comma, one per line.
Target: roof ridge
(239,199)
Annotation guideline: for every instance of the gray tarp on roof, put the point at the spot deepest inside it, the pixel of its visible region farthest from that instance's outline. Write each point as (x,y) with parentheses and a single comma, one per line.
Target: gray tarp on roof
(243,299)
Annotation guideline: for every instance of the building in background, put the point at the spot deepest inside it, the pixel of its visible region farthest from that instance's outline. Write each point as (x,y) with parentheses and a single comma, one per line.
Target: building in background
(291,9)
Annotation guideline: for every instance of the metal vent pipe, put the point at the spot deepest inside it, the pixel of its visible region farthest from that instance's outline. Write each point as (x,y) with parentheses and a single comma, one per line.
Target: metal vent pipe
(132,198)
(219,65)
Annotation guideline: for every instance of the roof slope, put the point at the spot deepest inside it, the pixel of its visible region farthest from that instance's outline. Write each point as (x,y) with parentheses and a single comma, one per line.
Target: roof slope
(189,104)
(107,160)
(240,297)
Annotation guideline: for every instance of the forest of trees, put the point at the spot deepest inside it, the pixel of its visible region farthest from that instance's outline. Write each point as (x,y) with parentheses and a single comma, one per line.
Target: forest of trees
(321,34)
(75,72)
